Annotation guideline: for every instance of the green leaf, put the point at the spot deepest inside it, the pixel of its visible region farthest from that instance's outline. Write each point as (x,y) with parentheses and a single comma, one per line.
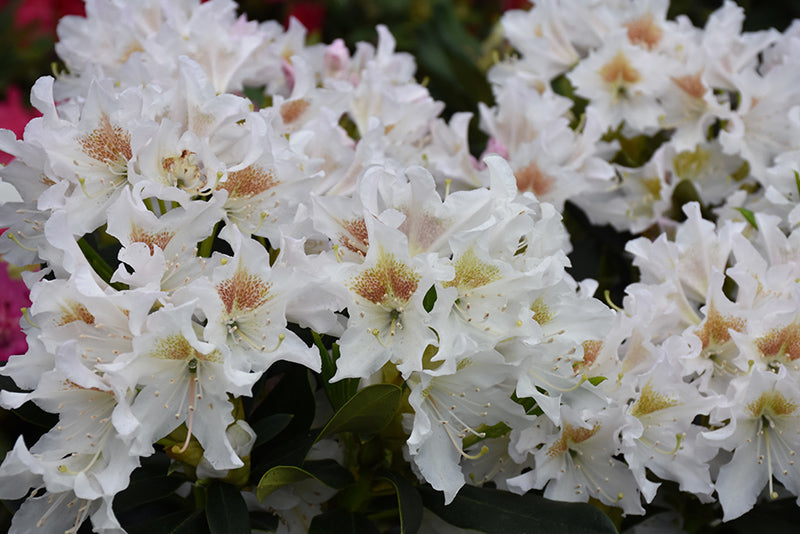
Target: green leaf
(499,512)
(258,96)
(328,363)
(409,502)
(6,383)
(683,193)
(226,510)
(562,86)
(100,266)
(329,473)
(430,299)
(528,404)
(596,380)
(338,392)
(347,124)
(278,477)
(264,521)
(637,150)
(206,246)
(284,452)
(142,490)
(749,216)
(797,181)
(286,389)
(486,432)
(31,413)
(776,517)
(341,521)
(270,426)
(192,524)
(368,412)
(150,496)
(177,522)
(150,504)
(326,471)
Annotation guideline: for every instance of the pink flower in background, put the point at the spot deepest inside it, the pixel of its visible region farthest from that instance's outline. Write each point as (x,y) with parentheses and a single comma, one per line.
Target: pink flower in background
(32,19)
(13,297)
(14,115)
(45,14)
(515,4)
(310,13)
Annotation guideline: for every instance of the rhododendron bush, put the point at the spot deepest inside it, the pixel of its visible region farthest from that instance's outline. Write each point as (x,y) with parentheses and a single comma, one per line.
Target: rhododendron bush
(273,288)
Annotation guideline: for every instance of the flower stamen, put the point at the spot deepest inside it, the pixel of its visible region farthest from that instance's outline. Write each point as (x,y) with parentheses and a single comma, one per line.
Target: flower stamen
(192,365)
(16,240)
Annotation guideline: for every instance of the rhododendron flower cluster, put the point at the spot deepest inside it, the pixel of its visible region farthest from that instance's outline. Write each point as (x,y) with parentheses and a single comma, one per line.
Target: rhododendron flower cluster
(205,195)
(665,103)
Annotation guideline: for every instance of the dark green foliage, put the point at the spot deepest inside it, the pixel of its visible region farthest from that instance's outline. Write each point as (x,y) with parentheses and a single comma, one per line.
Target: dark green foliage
(409,502)
(341,521)
(498,512)
(226,510)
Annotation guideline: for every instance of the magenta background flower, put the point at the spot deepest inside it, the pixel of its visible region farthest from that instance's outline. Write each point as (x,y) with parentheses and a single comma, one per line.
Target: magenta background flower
(45,14)
(310,13)
(14,115)
(13,297)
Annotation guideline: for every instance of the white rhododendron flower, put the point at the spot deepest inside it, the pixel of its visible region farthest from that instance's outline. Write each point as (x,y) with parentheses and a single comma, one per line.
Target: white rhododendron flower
(762,432)
(622,82)
(450,409)
(223,225)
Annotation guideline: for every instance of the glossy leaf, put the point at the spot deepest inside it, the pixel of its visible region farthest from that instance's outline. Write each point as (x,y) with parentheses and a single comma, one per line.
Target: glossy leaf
(797,181)
(369,411)
(193,524)
(338,392)
(749,216)
(340,521)
(430,299)
(329,473)
(286,389)
(278,477)
(264,521)
(270,426)
(226,510)
(31,413)
(177,522)
(499,512)
(776,517)
(150,496)
(291,451)
(326,471)
(142,490)
(409,502)
(99,264)
(486,432)
(28,412)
